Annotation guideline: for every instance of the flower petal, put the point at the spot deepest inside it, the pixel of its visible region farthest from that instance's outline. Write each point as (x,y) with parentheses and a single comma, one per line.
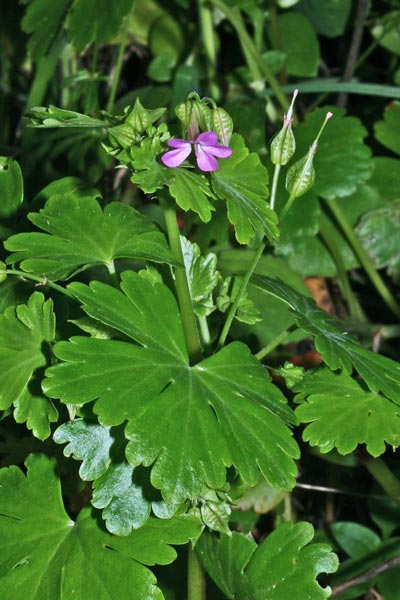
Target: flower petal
(208,138)
(174,158)
(220,151)
(177,143)
(205,160)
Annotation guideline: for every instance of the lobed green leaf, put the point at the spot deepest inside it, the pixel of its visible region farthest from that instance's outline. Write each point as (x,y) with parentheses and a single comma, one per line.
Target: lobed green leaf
(11,188)
(343,415)
(223,411)
(282,567)
(242,181)
(122,492)
(79,234)
(192,192)
(47,555)
(338,349)
(387,132)
(24,332)
(96,21)
(44,25)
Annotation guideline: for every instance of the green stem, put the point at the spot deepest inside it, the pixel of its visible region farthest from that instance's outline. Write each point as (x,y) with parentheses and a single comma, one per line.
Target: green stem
(259,29)
(275,342)
(208,38)
(274,185)
(257,66)
(242,289)
(205,334)
(196,577)
(364,259)
(42,281)
(287,206)
(117,71)
(275,33)
(386,29)
(45,69)
(182,286)
(66,66)
(384,476)
(288,509)
(355,310)
(113,274)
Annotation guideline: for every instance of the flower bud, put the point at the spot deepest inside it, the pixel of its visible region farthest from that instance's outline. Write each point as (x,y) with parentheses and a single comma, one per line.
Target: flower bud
(283,145)
(195,116)
(222,124)
(301,176)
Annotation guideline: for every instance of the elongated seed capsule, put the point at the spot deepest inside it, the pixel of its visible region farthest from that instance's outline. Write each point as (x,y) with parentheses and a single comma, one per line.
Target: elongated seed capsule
(283,145)
(301,176)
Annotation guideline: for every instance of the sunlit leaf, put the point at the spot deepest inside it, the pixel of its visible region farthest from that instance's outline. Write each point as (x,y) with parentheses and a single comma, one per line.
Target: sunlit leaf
(79,234)
(342,414)
(202,276)
(122,492)
(192,192)
(217,413)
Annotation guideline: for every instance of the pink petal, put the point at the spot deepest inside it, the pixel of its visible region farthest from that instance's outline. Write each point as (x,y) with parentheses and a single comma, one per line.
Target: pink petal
(205,160)
(174,158)
(220,151)
(208,138)
(177,143)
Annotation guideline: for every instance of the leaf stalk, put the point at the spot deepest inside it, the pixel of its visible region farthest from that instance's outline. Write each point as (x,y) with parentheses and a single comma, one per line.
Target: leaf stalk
(181,284)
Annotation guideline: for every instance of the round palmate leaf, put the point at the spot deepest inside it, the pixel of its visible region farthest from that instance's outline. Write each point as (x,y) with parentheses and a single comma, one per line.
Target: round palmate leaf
(189,423)
(47,555)
(80,234)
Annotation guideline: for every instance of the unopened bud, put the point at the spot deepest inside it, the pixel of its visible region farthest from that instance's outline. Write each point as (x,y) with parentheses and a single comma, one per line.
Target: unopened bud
(222,124)
(301,176)
(195,116)
(283,145)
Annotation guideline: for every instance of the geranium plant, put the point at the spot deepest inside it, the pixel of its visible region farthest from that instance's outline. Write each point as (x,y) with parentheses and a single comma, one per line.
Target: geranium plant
(146,339)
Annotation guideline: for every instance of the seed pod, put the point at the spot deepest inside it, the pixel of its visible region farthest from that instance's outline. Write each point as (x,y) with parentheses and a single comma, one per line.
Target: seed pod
(301,176)
(283,145)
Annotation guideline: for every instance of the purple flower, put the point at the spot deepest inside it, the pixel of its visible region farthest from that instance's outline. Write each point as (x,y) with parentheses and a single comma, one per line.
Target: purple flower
(206,148)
